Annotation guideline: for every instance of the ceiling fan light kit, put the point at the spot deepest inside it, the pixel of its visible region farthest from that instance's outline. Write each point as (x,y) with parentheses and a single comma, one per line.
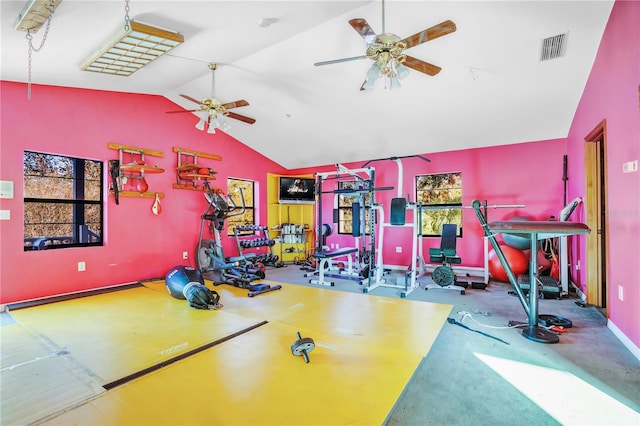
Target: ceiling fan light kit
(213,112)
(131,49)
(388,59)
(386,50)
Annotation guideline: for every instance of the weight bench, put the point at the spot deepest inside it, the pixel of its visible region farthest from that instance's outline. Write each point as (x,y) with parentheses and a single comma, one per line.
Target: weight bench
(443,276)
(325,260)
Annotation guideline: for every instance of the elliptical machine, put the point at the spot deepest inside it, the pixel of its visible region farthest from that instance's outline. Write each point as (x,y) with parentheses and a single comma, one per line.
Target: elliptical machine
(238,271)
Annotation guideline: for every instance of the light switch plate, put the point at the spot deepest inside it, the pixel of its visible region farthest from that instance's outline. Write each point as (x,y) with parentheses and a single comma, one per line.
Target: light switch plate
(6,189)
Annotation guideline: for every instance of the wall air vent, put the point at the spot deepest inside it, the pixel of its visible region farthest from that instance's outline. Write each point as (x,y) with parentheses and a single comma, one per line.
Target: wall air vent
(553,47)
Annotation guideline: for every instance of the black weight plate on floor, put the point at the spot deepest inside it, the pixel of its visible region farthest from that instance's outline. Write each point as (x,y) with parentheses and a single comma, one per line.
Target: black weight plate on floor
(551,320)
(443,276)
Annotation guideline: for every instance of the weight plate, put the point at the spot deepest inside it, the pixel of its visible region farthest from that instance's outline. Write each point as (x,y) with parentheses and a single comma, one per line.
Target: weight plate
(551,320)
(443,276)
(305,344)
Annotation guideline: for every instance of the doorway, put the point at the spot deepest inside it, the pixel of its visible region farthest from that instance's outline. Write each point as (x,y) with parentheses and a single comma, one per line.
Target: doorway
(596,215)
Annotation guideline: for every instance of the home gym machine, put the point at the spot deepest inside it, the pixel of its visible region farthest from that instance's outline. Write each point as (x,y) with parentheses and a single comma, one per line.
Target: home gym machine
(398,219)
(360,258)
(534,230)
(239,271)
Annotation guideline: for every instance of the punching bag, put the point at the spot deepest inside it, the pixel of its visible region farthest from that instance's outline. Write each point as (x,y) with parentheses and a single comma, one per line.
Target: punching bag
(186,283)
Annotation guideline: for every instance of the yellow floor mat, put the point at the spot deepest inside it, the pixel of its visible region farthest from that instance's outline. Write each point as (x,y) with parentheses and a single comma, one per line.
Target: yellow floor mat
(409,325)
(367,348)
(118,333)
(255,380)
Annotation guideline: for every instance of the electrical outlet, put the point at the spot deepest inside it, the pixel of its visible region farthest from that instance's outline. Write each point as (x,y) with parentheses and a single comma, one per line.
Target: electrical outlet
(185,255)
(620,293)
(333,245)
(578,266)
(82,266)
(398,249)
(337,246)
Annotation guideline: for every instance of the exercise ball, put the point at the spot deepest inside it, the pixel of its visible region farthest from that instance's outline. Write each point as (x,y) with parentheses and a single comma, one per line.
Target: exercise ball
(516,259)
(517,241)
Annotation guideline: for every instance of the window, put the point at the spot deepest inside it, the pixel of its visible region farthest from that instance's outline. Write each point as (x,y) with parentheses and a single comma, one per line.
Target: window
(62,201)
(441,198)
(248,217)
(345,206)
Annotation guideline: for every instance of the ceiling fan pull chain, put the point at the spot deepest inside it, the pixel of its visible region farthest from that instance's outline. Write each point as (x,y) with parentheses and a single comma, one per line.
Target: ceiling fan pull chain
(126,15)
(32,48)
(213,68)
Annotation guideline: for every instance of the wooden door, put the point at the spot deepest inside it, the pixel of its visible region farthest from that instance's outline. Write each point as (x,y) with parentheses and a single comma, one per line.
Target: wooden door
(596,220)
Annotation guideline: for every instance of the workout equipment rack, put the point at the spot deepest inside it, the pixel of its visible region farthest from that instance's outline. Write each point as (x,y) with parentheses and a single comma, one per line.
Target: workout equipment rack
(258,238)
(133,170)
(190,174)
(364,178)
(536,230)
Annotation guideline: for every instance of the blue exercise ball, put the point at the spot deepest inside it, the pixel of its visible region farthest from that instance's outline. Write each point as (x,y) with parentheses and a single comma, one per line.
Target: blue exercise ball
(517,241)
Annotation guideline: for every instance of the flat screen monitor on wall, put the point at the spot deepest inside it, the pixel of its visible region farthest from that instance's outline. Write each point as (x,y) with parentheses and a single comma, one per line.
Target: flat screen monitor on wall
(296,190)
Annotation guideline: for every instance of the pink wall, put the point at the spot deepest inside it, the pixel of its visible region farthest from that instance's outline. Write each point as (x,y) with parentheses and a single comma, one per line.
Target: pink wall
(528,173)
(138,244)
(611,94)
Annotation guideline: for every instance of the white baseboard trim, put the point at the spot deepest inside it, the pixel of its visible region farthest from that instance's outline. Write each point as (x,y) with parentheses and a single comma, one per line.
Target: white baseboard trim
(624,339)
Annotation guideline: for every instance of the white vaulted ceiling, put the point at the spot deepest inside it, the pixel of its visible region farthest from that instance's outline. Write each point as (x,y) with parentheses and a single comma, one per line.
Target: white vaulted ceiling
(492,89)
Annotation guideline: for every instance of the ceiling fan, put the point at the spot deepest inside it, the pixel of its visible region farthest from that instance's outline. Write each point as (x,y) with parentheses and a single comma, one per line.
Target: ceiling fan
(386,50)
(216,110)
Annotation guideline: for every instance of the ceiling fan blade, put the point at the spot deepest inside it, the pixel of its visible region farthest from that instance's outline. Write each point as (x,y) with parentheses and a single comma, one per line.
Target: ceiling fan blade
(434,32)
(190,98)
(337,61)
(235,104)
(184,110)
(421,66)
(364,29)
(240,117)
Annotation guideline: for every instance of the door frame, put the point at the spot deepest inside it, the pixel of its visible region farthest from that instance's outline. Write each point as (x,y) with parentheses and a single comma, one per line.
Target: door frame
(597,247)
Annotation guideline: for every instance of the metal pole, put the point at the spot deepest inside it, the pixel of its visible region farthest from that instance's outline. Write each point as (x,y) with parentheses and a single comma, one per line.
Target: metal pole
(503,260)
(533,282)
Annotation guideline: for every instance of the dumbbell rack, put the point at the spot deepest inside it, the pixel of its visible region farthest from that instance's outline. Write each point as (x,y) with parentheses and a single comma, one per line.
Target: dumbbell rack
(259,238)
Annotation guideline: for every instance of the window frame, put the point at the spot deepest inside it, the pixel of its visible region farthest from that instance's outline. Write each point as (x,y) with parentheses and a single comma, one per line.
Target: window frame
(82,235)
(345,221)
(250,208)
(446,205)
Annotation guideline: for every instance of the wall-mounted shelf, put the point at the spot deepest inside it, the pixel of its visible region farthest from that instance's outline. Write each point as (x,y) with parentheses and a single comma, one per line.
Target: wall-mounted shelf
(135,194)
(190,174)
(141,168)
(132,169)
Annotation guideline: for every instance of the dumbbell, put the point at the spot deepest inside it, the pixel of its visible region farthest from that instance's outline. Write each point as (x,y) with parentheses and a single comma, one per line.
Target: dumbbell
(303,346)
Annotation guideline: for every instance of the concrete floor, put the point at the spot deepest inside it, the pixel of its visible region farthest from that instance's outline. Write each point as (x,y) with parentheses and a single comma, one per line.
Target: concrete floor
(468,378)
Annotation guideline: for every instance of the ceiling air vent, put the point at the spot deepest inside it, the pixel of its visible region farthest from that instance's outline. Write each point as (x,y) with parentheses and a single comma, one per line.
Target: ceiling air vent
(553,47)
